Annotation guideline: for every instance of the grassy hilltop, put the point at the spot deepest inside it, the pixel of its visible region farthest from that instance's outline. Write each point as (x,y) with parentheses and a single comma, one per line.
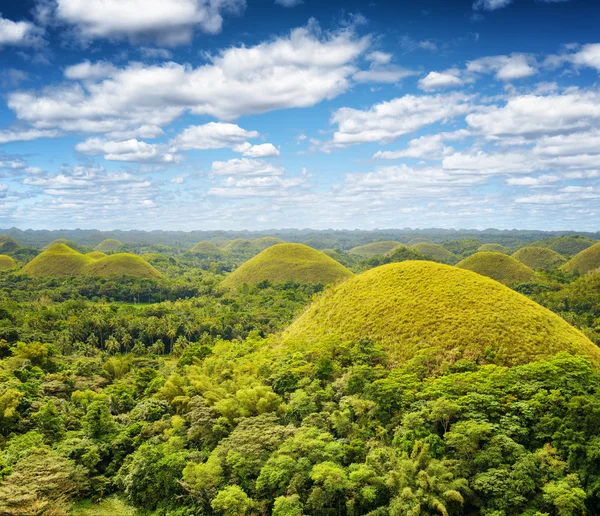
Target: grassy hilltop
(498,266)
(436,252)
(585,261)
(206,248)
(374,249)
(413,306)
(492,248)
(109,245)
(280,263)
(539,258)
(567,245)
(6,262)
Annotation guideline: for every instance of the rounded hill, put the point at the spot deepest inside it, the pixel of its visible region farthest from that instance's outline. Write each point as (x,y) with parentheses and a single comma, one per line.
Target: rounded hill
(492,248)
(109,245)
(64,241)
(566,245)
(281,263)
(264,242)
(57,261)
(418,306)
(121,264)
(207,249)
(498,266)
(8,244)
(539,258)
(374,249)
(239,245)
(585,261)
(435,252)
(96,255)
(6,262)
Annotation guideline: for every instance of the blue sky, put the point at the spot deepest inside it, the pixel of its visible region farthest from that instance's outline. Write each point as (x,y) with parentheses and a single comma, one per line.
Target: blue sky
(254,114)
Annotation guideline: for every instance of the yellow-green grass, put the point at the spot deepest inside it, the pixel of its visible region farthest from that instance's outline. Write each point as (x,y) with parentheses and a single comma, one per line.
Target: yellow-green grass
(498,266)
(57,261)
(264,242)
(281,263)
(239,245)
(567,245)
(332,253)
(206,249)
(109,245)
(374,249)
(63,241)
(112,506)
(585,261)
(493,248)
(219,241)
(6,262)
(539,258)
(418,240)
(121,264)
(8,244)
(420,306)
(96,255)
(435,252)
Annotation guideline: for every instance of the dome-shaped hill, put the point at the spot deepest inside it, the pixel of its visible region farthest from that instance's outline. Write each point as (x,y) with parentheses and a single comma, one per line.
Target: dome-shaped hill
(566,245)
(374,249)
(539,258)
(207,249)
(57,261)
(264,242)
(65,242)
(492,248)
(280,263)
(585,261)
(498,266)
(412,306)
(219,241)
(109,245)
(96,255)
(6,262)
(240,245)
(435,252)
(121,264)
(8,244)
(418,240)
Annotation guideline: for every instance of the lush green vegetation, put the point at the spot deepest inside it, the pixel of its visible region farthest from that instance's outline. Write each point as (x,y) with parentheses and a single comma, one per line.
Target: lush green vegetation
(585,261)
(492,248)
(567,245)
(282,263)
(207,249)
(435,252)
(539,258)
(374,249)
(264,242)
(7,262)
(498,266)
(109,245)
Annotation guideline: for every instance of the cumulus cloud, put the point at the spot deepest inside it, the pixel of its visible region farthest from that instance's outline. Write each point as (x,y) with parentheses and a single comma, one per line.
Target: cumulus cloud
(264,150)
(430,146)
(584,56)
(245,167)
(491,5)
(22,135)
(90,71)
(441,80)
(21,33)
(505,68)
(128,150)
(267,186)
(166,22)
(288,3)
(213,135)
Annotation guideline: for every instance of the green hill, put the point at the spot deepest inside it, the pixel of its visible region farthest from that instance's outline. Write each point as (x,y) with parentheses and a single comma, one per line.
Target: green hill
(450,312)
(96,255)
(109,245)
(121,264)
(374,249)
(498,266)
(207,249)
(219,241)
(264,242)
(332,253)
(280,263)
(539,258)
(240,246)
(57,261)
(585,261)
(418,240)
(8,244)
(566,246)
(435,252)
(6,262)
(493,248)
(64,241)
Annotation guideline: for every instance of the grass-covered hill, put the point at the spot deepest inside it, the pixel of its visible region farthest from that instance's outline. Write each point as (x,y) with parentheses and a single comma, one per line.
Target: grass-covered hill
(374,249)
(498,266)
(586,261)
(295,263)
(64,241)
(96,255)
(109,245)
(492,248)
(436,252)
(264,242)
(239,246)
(539,258)
(61,261)
(121,264)
(8,244)
(418,306)
(6,262)
(566,245)
(207,249)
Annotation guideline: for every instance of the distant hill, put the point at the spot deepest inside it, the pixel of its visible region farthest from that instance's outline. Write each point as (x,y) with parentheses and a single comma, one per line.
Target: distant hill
(418,306)
(539,258)
(374,249)
(96,255)
(6,262)
(109,245)
(436,252)
(498,266)
(64,241)
(240,246)
(566,245)
(264,242)
(122,264)
(281,263)
(207,249)
(492,248)
(586,261)
(8,244)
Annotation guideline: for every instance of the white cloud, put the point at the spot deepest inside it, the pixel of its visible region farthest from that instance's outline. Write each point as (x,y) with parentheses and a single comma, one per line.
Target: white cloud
(505,68)
(381,58)
(383,74)
(268,186)
(299,70)
(128,150)
(167,22)
(490,5)
(585,56)
(144,131)
(441,80)
(213,135)
(21,33)
(90,71)
(409,44)
(264,150)
(430,146)
(245,167)
(387,121)
(288,3)
(17,135)
(178,180)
